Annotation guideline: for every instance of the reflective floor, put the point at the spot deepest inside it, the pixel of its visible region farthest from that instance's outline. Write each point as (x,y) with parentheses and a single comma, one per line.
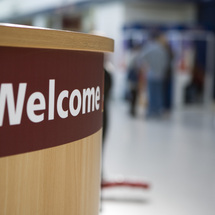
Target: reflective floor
(175,155)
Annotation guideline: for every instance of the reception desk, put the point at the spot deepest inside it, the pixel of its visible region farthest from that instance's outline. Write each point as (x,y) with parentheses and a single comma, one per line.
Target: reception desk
(51,104)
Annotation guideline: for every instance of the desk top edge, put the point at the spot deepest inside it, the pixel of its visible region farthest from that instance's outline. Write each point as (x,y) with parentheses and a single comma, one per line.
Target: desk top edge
(33,37)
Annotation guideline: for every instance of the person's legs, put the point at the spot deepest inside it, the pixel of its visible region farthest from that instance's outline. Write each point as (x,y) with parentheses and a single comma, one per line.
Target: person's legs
(151,98)
(159,97)
(133,101)
(155,98)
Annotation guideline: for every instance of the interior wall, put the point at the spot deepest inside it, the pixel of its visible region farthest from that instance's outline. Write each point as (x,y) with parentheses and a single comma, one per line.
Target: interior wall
(168,13)
(11,8)
(108,19)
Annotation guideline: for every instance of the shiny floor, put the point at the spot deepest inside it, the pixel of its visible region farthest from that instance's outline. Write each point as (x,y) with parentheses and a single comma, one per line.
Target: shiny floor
(175,155)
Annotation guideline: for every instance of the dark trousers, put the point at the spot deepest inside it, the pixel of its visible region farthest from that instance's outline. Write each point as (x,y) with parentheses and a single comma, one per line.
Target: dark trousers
(133,100)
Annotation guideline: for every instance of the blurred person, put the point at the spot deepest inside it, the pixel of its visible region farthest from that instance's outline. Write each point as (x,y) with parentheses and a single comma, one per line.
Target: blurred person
(133,77)
(168,82)
(194,89)
(108,82)
(154,61)
(107,87)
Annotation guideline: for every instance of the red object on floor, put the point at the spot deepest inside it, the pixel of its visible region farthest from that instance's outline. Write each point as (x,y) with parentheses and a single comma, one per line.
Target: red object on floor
(106,184)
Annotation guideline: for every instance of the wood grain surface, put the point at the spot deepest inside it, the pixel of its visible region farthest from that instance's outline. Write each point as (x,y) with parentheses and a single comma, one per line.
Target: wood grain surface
(32,37)
(63,180)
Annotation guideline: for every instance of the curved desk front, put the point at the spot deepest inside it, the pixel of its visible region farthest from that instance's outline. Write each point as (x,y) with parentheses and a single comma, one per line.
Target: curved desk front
(51,103)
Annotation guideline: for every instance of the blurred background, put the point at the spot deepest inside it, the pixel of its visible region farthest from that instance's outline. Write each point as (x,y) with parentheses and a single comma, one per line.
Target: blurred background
(160,97)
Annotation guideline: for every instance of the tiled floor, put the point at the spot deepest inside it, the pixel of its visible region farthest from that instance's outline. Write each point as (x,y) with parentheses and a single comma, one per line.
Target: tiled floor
(175,155)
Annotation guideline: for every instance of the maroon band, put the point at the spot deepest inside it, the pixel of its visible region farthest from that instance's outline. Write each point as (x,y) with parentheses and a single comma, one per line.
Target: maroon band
(48,97)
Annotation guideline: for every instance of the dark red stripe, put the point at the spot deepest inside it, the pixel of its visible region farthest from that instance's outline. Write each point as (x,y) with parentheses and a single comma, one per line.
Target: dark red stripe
(70,70)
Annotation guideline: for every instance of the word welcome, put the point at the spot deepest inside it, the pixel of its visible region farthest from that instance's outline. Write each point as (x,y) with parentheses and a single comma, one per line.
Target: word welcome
(76,102)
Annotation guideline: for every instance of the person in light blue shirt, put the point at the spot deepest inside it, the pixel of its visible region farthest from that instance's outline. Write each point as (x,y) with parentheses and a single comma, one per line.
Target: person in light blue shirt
(154,60)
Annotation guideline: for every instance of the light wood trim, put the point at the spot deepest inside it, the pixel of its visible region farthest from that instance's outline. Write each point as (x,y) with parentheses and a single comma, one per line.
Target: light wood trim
(63,180)
(31,37)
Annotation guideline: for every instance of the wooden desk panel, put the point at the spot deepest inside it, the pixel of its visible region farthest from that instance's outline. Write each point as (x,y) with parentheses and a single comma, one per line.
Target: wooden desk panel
(50,147)
(54,181)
